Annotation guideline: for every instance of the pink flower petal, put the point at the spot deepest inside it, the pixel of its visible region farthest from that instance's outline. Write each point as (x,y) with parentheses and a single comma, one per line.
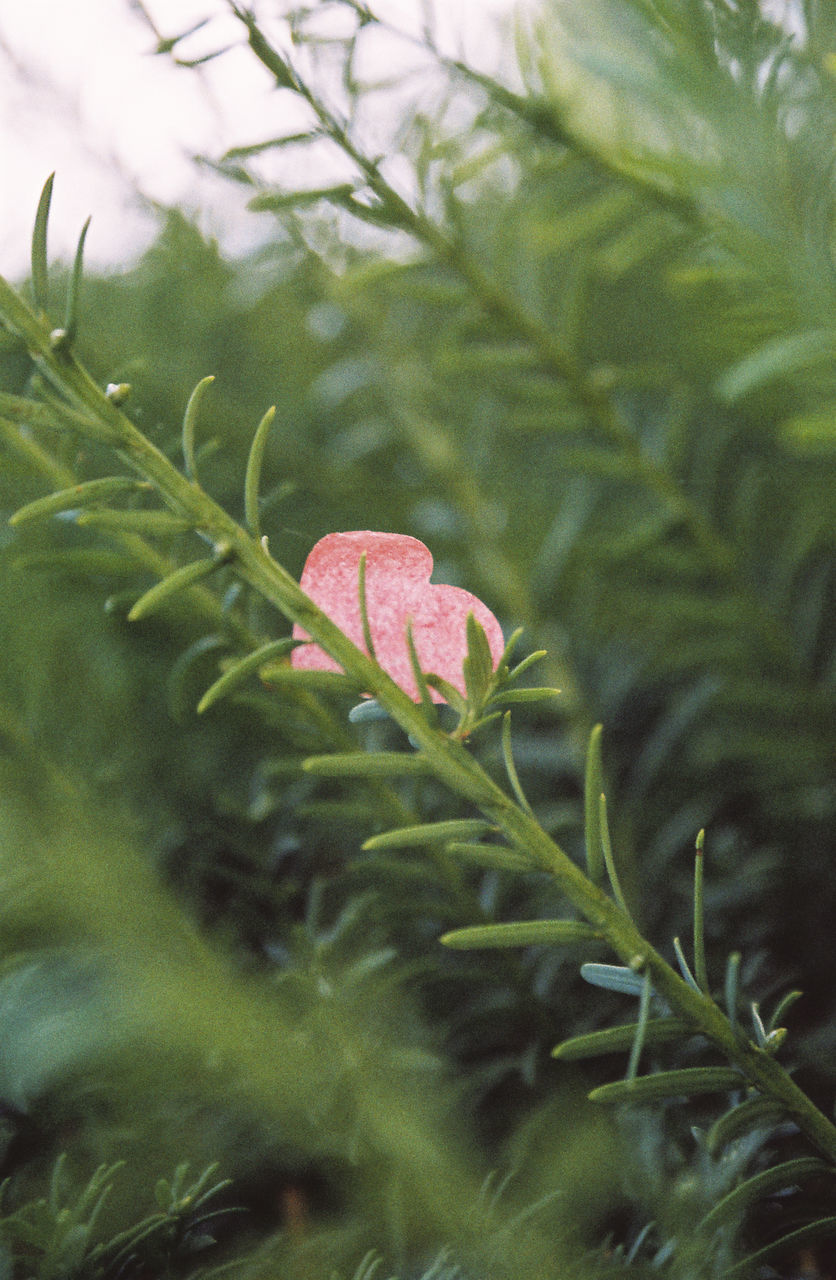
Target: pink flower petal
(398,588)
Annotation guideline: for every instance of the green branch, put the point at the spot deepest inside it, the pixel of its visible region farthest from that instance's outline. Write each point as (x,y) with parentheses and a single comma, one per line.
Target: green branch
(198,603)
(595,400)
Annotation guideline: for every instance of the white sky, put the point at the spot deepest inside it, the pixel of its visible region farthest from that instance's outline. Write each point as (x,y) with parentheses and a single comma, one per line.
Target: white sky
(81,94)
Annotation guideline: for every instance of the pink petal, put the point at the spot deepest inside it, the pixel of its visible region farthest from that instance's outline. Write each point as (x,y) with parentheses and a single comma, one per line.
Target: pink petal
(398,587)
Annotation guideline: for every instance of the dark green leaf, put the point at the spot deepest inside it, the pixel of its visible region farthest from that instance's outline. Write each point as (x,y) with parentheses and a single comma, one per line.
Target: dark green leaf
(79,495)
(620,1039)
(252,482)
(593,788)
(153,523)
(478,664)
(754,1113)
(780,357)
(682,1083)
(430,833)
(40,269)
(779,1178)
(169,586)
(366,764)
(448,691)
(524,695)
(524,933)
(74,291)
(281,202)
(821,1229)
(190,424)
(496,856)
(510,767)
(420,679)
(240,671)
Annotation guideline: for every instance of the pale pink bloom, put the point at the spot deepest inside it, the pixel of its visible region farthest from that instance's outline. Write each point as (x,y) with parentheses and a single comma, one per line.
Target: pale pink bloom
(398,588)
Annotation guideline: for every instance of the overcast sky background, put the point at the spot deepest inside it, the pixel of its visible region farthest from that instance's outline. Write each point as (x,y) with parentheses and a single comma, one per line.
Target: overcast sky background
(81,93)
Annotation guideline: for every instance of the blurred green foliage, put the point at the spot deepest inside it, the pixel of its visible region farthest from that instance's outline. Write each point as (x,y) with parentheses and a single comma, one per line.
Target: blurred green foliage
(594,372)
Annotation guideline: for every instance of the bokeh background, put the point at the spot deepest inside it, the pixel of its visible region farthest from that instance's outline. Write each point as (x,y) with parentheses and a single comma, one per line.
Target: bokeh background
(588,361)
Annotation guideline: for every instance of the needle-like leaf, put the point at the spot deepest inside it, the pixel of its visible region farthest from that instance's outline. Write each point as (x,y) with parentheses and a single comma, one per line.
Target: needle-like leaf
(252,481)
(74,291)
(40,271)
